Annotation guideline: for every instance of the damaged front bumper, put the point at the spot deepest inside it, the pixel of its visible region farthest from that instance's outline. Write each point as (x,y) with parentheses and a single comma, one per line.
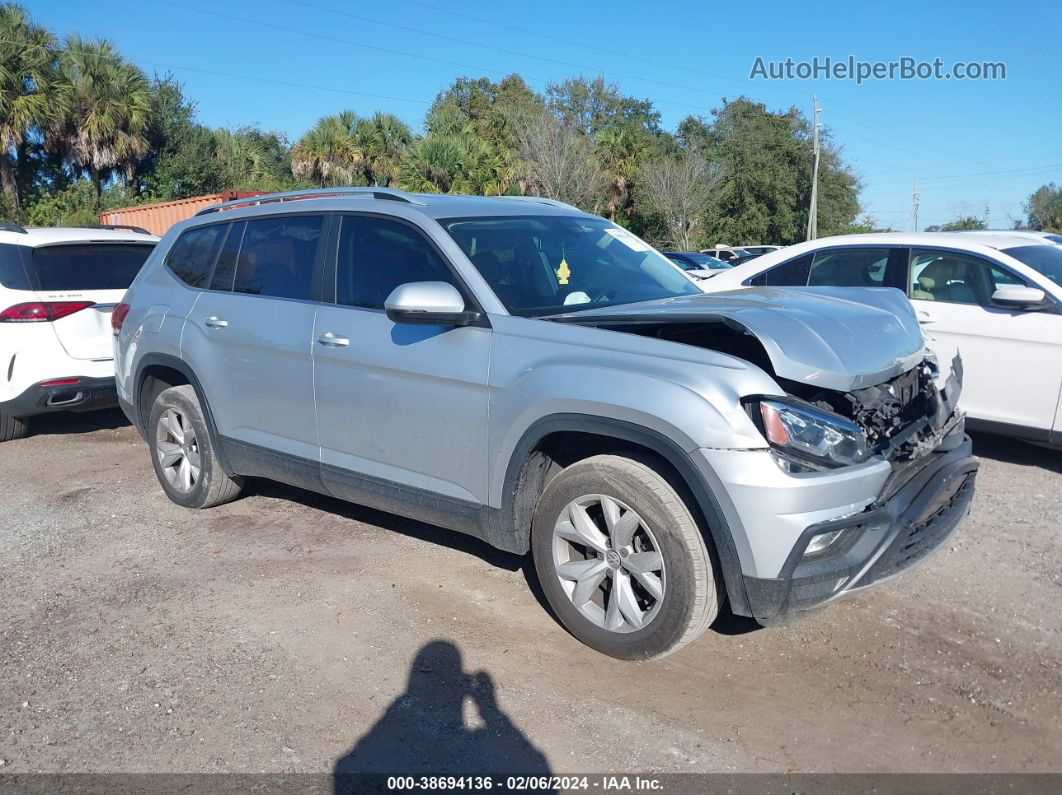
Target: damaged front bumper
(921,505)
(805,538)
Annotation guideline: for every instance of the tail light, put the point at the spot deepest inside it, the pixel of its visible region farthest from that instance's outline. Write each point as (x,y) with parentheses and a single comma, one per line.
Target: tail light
(46,311)
(118,317)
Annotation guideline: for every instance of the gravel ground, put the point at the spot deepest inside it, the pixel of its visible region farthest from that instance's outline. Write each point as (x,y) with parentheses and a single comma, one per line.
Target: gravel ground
(291,632)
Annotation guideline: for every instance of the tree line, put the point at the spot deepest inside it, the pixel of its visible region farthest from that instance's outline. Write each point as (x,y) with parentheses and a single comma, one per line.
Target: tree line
(84,129)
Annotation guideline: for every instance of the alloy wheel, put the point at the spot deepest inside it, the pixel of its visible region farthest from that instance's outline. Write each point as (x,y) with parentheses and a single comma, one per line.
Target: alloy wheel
(178,450)
(609,563)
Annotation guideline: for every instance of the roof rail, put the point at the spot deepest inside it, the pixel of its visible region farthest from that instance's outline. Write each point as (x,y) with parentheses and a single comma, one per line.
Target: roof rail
(11,226)
(138,229)
(540,200)
(391,194)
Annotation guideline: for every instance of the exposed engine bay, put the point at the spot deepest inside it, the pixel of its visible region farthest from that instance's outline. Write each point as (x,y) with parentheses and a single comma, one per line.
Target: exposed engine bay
(904,417)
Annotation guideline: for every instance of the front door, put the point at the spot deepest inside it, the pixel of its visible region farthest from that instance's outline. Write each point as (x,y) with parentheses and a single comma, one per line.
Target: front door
(1012,359)
(398,405)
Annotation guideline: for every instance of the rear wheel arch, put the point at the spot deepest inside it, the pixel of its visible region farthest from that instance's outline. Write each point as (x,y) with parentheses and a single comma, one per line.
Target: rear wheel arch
(157,373)
(554,442)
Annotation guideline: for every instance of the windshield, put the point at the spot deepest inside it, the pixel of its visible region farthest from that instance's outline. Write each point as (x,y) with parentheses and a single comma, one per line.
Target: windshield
(89,266)
(544,265)
(694,259)
(1045,259)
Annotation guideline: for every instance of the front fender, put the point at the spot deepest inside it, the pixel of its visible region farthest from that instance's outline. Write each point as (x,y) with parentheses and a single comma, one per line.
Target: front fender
(665,408)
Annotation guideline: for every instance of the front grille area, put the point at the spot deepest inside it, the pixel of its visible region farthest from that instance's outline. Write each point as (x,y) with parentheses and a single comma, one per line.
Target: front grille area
(923,535)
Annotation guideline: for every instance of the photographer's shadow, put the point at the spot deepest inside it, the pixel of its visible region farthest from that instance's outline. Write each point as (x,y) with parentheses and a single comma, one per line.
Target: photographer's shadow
(423,731)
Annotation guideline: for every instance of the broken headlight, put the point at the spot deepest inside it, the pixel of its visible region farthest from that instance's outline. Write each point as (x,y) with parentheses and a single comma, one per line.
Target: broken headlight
(811,438)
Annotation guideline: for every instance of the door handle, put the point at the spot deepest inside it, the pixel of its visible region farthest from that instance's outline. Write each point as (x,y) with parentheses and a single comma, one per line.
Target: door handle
(215,322)
(333,340)
(925,318)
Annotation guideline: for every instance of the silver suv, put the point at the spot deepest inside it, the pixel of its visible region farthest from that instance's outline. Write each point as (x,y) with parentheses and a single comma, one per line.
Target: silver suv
(542,379)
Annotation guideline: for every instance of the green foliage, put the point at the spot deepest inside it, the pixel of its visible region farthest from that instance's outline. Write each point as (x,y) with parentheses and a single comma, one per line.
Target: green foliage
(75,204)
(963,222)
(766,160)
(27,71)
(591,105)
(104,102)
(180,161)
(1044,208)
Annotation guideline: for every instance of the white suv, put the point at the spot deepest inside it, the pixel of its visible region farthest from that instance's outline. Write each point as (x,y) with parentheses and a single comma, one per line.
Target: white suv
(57,290)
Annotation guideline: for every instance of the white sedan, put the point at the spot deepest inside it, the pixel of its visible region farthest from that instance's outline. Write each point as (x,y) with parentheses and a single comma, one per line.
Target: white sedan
(996,298)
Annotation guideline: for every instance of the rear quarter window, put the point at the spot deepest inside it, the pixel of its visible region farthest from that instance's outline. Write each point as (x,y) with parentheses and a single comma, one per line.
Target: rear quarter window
(13,274)
(88,266)
(191,259)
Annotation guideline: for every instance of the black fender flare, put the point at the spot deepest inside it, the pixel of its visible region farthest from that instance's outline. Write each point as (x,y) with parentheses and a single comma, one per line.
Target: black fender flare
(714,520)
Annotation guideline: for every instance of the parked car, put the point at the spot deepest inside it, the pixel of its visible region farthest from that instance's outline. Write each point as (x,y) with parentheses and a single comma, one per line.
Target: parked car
(57,289)
(696,264)
(995,297)
(758,250)
(538,377)
(725,253)
(1048,237)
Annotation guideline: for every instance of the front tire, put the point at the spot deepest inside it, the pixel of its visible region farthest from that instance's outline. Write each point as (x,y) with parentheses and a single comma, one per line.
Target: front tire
(182,452)
(12,427)
(622,560)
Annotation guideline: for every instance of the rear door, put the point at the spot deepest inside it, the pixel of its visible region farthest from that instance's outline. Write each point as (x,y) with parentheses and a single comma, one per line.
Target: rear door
(248,336)
(87,272)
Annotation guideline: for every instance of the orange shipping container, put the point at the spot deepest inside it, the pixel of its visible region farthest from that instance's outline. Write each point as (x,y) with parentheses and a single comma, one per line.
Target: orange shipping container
(157,218)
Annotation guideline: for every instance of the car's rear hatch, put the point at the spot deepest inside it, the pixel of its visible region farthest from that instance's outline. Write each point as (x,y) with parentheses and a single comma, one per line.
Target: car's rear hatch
(96,272)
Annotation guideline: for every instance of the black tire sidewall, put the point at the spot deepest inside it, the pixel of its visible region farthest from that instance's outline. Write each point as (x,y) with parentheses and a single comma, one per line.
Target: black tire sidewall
(670,624)
(176,398)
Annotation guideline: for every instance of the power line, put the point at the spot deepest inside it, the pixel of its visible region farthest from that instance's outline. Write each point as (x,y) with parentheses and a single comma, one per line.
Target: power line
(871,123)
(492,47)
(585,46)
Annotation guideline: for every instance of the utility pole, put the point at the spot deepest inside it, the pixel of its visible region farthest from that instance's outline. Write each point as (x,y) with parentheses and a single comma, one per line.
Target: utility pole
(915,196)
(813,210)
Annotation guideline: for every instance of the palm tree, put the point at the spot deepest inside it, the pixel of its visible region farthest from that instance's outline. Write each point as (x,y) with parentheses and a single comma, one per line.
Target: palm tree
(432,164)
(381,141)
(620,150)
(105,103)
(243,159)
(27,63)
(328,153)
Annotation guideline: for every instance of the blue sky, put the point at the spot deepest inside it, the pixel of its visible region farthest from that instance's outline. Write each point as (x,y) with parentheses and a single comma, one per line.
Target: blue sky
(972,143)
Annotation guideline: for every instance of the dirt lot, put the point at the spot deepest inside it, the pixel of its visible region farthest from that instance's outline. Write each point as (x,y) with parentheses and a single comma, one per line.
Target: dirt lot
(287,632)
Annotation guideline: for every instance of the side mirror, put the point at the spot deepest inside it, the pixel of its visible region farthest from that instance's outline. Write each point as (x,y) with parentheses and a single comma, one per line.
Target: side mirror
(428,303)
(1015,297)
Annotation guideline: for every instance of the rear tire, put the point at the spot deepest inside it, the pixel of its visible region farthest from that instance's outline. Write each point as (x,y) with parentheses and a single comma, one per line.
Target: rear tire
(182,452)
(637,581)
(12,427)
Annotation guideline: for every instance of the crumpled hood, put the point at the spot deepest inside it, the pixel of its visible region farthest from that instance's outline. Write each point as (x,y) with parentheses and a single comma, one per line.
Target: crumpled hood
(841,338)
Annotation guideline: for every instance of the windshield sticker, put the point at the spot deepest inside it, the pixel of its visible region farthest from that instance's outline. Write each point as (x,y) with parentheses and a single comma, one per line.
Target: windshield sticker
(627,239)
(563,272)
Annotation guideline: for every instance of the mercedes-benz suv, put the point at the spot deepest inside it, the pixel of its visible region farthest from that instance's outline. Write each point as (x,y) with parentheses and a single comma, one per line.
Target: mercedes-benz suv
(535,376)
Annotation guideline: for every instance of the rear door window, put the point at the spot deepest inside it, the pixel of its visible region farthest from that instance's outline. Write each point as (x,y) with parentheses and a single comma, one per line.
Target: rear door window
(88,266)
(192,256)
(849,267)
(278,255)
